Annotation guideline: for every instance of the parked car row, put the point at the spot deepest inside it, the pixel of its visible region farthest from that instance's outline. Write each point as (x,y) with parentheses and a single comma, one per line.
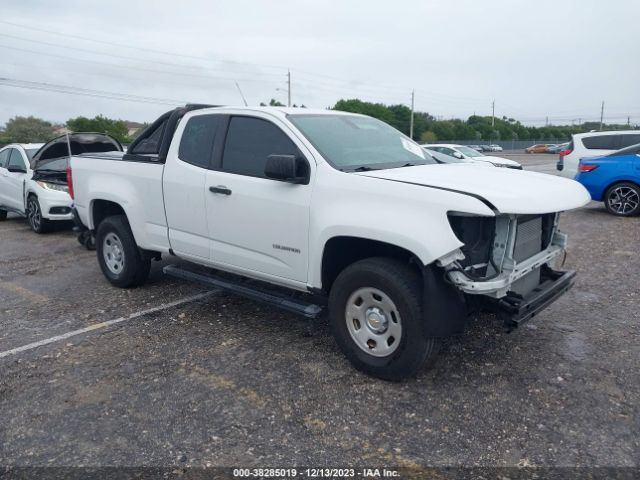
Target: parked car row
(451,153)
(486,148)
(541,148)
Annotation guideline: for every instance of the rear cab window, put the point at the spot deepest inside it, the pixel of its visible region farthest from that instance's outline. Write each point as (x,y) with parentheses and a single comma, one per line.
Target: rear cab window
(196,143)
(151,144)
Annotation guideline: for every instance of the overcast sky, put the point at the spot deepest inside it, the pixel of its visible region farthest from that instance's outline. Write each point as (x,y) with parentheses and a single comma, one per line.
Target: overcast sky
(537,58)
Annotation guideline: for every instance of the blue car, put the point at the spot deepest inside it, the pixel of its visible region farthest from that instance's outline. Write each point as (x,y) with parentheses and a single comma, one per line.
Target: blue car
(614,179)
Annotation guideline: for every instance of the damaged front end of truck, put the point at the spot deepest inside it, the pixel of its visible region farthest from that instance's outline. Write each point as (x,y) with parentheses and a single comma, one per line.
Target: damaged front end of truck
(507,263)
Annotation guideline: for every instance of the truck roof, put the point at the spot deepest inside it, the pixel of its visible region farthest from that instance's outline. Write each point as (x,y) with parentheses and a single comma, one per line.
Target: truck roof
(280,111)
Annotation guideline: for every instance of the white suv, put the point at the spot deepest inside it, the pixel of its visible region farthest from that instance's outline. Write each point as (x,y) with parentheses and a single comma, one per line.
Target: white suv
(593,144)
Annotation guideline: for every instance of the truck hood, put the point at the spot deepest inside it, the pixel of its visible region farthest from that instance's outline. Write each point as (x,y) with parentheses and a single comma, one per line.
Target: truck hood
(506,190)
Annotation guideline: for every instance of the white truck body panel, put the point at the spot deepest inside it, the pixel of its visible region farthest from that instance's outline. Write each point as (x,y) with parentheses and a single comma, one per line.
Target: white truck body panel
(138,192)
(277,231)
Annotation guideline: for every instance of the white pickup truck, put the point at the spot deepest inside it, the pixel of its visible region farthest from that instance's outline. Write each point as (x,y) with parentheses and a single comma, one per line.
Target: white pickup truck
(305,208)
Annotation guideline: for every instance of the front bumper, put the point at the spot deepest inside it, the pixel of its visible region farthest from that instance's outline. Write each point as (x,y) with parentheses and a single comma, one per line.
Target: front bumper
(500,285)
(518,309)
(56,206)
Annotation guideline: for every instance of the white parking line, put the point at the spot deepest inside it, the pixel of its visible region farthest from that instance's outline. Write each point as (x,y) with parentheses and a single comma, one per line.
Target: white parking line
(108,323)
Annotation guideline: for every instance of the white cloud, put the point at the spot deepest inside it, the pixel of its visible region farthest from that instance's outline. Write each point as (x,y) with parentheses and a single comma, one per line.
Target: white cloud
(555,58)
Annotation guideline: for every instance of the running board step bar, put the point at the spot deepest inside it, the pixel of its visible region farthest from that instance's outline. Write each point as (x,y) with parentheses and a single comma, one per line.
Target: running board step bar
(284,302)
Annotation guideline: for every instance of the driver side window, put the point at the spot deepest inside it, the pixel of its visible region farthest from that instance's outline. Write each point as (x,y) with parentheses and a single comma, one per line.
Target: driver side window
(248,144)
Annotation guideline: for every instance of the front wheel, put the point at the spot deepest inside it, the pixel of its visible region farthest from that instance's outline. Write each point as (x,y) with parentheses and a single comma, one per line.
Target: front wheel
(375,309)
(3,215)
(34,214)
(623,199)
(118,254)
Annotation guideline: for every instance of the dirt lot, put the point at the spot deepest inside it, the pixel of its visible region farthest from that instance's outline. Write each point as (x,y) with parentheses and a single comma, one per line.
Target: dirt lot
(219,380)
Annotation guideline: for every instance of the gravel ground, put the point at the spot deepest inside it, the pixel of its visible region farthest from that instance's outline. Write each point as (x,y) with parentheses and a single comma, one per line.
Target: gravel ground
(223,381)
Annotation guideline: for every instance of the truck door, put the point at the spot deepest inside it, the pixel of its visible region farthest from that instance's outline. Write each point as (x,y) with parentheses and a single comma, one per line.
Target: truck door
(258,226)
(184,177)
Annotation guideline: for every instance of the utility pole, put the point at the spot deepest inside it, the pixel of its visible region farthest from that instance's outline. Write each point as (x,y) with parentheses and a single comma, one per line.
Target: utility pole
(546,121)
(601,115)
(628,122)
(413,98)
(493,113)
(289,87)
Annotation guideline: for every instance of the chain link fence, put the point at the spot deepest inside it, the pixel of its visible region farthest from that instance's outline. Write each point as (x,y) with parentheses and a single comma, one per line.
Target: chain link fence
(508,144)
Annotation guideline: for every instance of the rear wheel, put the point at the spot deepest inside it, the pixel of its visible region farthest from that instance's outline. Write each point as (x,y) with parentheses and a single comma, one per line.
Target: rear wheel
(38,223)
(118,254)
(623,199)
(375,308)
(3,215)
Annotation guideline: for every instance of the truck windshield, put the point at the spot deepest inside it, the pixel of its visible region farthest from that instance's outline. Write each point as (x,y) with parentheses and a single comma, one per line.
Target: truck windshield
(352,142)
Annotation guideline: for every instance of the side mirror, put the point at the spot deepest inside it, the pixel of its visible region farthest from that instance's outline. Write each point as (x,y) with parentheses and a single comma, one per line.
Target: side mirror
(458,155)
(287,168)
(16,169)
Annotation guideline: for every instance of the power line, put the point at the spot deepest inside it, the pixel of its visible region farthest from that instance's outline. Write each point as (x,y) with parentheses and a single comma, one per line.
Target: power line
(128,67)
(143,49)
(315,75)
(71,90)
(125,57)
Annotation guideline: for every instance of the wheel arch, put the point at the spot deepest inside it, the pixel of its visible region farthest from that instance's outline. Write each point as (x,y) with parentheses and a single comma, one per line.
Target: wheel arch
(341,251)
(444,306)
(619,180)
(101,209)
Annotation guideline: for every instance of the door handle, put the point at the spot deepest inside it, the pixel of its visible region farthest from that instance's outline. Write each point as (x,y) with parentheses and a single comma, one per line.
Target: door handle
(220,189)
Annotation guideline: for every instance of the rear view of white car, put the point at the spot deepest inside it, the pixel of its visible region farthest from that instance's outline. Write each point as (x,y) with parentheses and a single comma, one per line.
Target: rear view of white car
(449,153)
(593,144)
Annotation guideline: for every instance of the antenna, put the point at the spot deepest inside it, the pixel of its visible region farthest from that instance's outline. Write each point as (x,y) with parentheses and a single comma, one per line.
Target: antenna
(242,95)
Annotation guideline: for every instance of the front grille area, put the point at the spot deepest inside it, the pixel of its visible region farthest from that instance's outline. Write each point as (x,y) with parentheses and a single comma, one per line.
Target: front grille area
(533,234)
(528,238)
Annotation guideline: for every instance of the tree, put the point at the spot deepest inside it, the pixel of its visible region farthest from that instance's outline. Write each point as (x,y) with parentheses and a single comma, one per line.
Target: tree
(28,130)
(428,136)
(116,128)
(273,103)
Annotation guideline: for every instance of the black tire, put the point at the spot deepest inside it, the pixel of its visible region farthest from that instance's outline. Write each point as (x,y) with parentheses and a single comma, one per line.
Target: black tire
(134,267)
(623,199)
(403,286)
(87,239)
(34,215)
(3,215)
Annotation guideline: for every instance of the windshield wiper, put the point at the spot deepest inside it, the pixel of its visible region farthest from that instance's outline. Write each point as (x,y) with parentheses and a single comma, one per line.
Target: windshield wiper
(363,168)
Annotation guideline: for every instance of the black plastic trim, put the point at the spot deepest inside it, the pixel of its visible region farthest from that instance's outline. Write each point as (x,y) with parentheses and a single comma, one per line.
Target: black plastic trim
(444,308)
(519,309)
(282,301)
